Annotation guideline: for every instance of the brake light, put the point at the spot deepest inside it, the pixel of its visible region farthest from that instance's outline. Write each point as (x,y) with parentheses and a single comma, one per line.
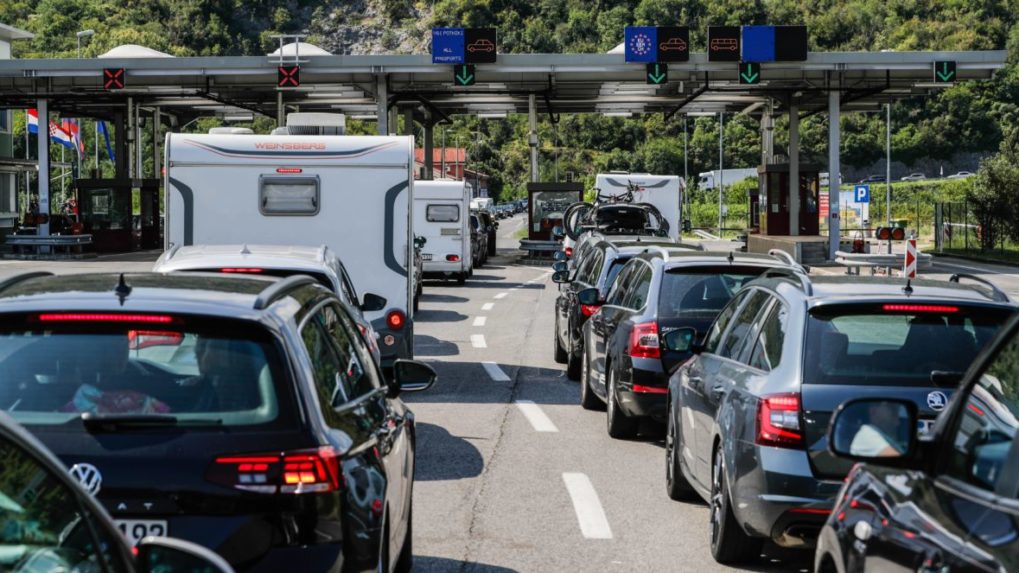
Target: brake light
(104,317)
(241,270)
(568,251)
(589,309)
(302,471)
(138,339)
(778,421)
(396,319)
(644,341)
(938,308)
(453,258)
(289,170)
(641,389)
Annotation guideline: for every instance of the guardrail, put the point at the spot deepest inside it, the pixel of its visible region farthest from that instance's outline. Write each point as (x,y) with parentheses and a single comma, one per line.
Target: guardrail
(855,261)
(32,243)
(540,246)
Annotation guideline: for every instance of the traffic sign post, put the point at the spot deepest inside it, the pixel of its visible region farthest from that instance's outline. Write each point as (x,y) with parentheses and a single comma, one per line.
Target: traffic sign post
(749,73)
(723,43)
(463,75)
(944,72)
(288,77)
(909,268)
(113,78)
(657,74)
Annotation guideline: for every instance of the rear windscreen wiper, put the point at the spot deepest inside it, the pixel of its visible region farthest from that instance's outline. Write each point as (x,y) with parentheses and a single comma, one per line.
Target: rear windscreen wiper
(108,422)
(946,378)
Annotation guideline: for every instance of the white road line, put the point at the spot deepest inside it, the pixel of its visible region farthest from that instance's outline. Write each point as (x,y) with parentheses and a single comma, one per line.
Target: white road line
(534,414)
(494,372)
(590,515)
(501,295)
(480,320)
(488,306)
(478,341)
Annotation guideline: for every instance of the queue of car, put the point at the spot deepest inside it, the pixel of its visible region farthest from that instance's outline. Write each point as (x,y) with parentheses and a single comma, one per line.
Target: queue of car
(769,383)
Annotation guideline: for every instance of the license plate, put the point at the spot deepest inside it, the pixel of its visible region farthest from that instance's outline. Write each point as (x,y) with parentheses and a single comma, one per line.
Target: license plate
(426,257)
(136,529)
(924,429)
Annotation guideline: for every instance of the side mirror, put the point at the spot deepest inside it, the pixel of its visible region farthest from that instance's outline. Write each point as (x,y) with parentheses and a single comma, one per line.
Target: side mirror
(874,429)
(558,256)
(681,339)
(411,376)
(687,226)
(373,302)
(589,296)
(559,266)
(558,231)
(158,554)
(561,277)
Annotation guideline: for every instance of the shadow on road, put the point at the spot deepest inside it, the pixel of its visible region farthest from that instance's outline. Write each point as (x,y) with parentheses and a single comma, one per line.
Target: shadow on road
(478,277)
(448,298)
(469,383)
(443,565)
(442,456)
(428,315)
(430,346)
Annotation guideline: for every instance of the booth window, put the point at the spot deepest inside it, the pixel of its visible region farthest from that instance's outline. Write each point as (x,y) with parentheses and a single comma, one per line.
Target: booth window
(442,213)
(5,121)
(288,195)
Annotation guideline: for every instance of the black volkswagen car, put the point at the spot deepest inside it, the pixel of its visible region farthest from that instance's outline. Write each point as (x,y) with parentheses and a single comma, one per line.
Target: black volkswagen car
(623,364)
(241,413)
(949,504)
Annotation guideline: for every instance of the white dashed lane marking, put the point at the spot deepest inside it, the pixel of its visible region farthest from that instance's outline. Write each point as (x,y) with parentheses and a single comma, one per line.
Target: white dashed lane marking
(536,416)
(590,515)
(494,372)
(478,341)
(488,306)
(501,295)
(480,320)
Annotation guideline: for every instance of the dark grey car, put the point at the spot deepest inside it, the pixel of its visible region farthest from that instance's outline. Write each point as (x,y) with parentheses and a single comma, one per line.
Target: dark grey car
(748,414)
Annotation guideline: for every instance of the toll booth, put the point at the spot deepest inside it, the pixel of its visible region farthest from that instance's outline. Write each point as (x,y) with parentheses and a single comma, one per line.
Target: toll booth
(546,204)
(106,208)
(773,199)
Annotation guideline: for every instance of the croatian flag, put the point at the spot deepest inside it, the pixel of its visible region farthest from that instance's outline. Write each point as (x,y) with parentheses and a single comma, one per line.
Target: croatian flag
(57,133)
(70,126)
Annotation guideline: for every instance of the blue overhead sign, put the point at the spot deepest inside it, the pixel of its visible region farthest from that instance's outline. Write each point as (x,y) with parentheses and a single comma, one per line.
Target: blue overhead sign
(641,44)
(448,45)
(861,193)
(758,44)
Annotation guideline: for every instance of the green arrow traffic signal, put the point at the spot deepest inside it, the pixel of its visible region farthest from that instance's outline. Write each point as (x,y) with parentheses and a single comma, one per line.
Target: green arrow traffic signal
(749,73)
(944,72)
(657,74)
(463,75)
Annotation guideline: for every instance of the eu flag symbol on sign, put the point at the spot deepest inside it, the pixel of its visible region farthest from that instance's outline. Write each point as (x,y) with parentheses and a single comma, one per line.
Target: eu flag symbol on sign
(862,193)
(641,44)
(447,45)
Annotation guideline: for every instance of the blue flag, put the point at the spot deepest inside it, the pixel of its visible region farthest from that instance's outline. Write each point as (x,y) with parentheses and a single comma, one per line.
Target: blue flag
(101,128)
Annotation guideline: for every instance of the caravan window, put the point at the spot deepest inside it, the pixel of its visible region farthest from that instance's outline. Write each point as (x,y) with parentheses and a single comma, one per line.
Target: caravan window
(288,195)
(442,213)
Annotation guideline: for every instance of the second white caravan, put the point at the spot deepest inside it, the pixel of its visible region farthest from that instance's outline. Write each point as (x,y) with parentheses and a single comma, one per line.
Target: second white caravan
(352,193)
(662,191)
(441,216)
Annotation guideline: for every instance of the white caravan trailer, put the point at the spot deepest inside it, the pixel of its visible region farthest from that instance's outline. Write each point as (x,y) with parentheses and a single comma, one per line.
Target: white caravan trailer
(352,193)
(441,216)
(662,191)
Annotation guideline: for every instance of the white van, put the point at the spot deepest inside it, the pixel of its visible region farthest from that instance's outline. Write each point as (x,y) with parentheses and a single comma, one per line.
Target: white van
(441,216)
(352,193)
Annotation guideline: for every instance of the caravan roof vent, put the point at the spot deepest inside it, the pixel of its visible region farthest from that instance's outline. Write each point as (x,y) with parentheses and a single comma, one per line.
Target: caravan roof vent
(230,131)
(316,123)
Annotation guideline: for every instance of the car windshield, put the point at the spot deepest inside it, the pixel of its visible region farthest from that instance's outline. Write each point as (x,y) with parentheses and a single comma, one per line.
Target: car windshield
(701,292)
(894,344)
(52,372)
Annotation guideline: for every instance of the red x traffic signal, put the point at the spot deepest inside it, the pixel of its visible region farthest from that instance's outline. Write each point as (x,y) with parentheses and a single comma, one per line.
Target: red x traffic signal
(113,78)
(288,76)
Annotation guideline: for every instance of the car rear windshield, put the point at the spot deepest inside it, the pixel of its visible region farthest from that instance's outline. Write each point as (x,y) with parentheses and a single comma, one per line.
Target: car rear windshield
(894,344)
(701,292)
(56,367)
(264,272)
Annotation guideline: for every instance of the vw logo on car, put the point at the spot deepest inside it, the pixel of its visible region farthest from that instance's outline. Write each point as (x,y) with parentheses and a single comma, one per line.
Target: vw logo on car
(937,400)
(88,476)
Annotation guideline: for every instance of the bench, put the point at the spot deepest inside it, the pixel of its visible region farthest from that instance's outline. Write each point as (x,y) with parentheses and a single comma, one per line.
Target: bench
(31,244)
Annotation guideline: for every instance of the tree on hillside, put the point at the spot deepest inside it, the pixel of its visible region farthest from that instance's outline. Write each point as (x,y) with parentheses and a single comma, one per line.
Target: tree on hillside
(995,194)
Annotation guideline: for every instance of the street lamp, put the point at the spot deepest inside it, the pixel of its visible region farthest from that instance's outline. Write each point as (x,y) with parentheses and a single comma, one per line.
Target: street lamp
(83,34)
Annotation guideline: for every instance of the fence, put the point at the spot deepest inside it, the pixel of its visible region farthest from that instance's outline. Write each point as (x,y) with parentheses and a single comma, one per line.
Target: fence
(960,229)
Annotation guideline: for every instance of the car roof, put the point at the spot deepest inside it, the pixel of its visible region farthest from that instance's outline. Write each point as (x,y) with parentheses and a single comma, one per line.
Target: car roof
(825,289)
(683,257)
(210,294)
(261,256)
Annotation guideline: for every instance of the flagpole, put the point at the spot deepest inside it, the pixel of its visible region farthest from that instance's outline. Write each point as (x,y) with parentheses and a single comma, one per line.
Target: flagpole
(96,125)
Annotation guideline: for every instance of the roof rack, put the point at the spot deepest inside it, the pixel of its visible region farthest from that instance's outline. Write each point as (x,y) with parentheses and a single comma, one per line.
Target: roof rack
(786,257)
(996,293)
(11,281)
(321,255)
(791,273)
(660,250)
(172,250)
(280,289)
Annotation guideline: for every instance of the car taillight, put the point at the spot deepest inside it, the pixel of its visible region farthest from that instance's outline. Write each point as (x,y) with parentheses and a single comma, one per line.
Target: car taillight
(778,421)
(453,258)
(241,270)
(568,251)
(937,308)
(644,341)
(104,317)
(396,319)
(302,471)
(589,309)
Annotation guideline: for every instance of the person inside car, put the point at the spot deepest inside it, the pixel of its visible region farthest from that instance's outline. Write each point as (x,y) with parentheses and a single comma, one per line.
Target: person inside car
(109,382)
(874,438)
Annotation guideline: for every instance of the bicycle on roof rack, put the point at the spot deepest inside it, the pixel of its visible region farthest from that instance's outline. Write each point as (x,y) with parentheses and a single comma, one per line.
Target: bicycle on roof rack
(614,214)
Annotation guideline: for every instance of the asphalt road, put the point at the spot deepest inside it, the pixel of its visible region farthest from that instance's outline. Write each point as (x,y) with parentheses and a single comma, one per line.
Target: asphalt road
(512,474)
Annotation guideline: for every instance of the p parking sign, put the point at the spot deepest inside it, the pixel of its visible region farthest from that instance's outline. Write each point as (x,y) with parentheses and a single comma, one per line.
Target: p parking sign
(861,193)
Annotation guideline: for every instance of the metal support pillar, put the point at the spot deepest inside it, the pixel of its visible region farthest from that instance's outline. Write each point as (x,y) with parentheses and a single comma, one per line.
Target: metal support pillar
(768,136)
(156,141)
(130,133)
(888,171)
(429,145)
(721,172)
(834,168)
(43,229)
(138,156)
(281,112)
(381,102)
(532,135)
(120,147)
(794,170)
